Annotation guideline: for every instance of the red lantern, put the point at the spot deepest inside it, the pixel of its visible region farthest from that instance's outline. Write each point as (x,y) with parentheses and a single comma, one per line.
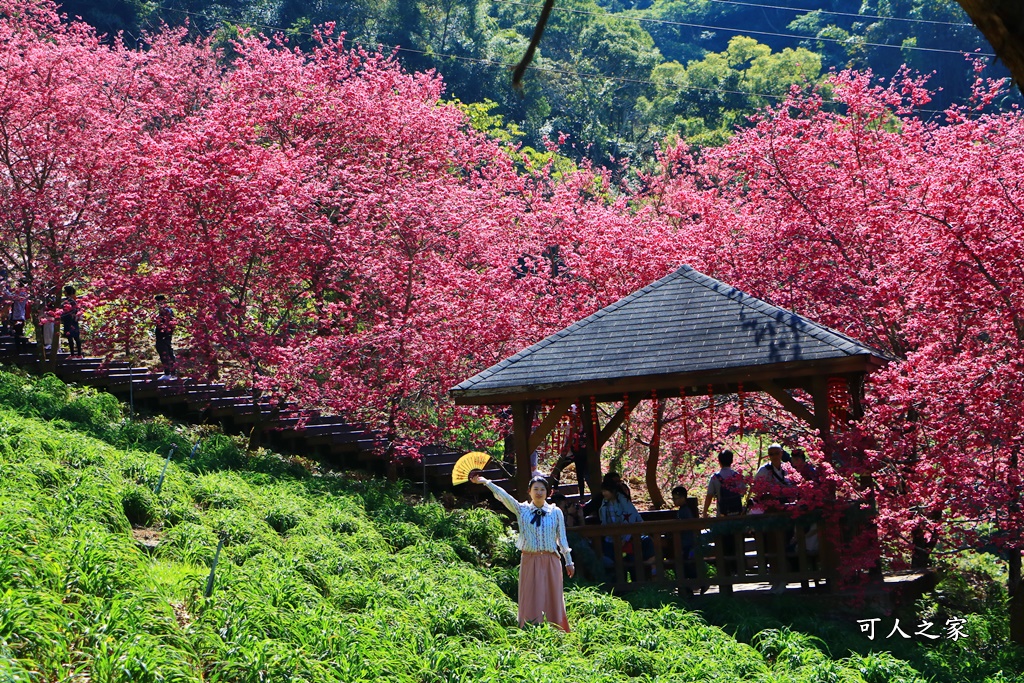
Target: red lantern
(593,421)
(685,408)
(739,391)
(838,402)
(711,406)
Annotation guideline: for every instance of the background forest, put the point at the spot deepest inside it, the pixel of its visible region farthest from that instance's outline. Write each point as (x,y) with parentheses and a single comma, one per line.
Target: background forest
(617,77)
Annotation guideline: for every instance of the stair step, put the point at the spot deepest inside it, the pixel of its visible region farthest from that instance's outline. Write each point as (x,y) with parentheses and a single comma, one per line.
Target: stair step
(442,458)
(331,436)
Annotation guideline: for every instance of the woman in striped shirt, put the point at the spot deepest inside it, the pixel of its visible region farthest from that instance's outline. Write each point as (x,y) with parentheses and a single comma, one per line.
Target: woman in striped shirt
(541,539)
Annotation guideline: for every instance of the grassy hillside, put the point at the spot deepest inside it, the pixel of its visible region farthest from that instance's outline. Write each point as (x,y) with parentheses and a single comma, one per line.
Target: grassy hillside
(326,578)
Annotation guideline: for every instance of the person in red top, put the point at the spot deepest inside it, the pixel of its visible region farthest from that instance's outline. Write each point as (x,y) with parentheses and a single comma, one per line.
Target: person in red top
(574,451)
(165,325)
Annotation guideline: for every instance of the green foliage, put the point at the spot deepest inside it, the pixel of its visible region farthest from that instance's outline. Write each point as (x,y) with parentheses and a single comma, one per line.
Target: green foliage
(971,587)
(708,98)
(882,667)
(189,543)
(481,117)
(91,408)
(139,505)
(600,74)
(43,398)
(334,578)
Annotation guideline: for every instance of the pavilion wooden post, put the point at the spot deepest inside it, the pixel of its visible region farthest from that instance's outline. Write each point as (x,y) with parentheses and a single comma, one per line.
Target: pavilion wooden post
(819,389)
(521,445)
(856,384)
(590,426)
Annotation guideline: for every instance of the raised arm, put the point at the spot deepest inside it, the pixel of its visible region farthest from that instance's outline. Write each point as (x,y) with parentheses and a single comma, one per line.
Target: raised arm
(501,494)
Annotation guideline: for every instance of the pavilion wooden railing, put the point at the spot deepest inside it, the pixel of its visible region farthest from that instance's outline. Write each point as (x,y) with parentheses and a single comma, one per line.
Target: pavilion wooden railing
(770,548)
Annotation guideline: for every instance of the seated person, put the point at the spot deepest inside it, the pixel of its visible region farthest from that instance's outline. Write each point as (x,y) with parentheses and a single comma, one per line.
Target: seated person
(614,478)
(689,538)
(572,511)
(616,508)
(586,559)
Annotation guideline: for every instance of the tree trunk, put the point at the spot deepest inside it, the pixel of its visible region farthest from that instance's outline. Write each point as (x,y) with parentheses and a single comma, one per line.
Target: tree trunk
(657,500)
(1002,22)
(1016,588)
(921,554)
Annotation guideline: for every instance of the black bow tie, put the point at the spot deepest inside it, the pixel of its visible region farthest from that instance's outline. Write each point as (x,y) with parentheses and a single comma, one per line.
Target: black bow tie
(538,515)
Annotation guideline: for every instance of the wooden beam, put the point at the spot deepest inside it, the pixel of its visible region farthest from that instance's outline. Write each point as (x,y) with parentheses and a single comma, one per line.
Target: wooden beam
(788,402)
(856,382)
(550,422)
(667,385)
(520,442)
(819,390)
(618,418)
(594,473)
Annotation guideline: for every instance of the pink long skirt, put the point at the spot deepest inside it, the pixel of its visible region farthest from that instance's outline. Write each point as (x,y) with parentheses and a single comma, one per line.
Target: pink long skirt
(540,590)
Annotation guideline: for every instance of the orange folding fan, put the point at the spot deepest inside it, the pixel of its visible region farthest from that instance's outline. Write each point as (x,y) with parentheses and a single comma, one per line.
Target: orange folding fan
(465,466)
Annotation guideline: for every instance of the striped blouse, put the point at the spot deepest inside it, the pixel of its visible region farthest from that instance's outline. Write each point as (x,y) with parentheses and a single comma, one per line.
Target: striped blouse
(549,537)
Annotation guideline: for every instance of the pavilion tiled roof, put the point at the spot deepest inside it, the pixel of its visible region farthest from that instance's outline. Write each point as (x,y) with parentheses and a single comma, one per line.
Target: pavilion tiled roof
(683,323)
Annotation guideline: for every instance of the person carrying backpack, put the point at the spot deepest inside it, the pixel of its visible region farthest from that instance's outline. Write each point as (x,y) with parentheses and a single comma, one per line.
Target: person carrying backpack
(726,487)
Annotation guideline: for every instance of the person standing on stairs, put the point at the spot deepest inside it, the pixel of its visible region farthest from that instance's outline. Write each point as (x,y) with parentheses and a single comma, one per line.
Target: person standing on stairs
(164,329)
(50,314)
(19,304)
(69,322)
(574,451)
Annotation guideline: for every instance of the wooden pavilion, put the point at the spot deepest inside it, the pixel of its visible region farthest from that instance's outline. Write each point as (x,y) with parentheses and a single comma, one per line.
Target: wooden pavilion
(686,333)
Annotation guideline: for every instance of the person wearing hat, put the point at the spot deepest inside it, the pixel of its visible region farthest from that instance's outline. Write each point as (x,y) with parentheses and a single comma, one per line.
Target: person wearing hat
(165,325)
(771,485)
(541,539)
(772,490)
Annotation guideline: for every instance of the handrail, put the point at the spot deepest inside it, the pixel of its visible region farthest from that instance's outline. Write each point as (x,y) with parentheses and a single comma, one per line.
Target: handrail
(743,549)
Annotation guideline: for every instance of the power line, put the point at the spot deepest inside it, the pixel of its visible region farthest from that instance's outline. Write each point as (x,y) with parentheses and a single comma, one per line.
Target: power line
(490,62)
(666,22)
(508,67)
(840,14)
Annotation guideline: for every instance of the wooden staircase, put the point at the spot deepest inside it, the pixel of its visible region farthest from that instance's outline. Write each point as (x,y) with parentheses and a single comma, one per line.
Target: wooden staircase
(329,439)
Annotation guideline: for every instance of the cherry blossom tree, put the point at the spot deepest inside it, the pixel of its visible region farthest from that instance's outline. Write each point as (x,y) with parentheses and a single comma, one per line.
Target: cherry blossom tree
(63,123)
(906,234)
